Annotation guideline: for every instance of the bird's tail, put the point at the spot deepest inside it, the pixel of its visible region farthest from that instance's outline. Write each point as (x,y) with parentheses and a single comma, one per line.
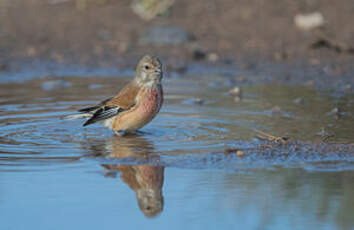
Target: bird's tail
(77,116)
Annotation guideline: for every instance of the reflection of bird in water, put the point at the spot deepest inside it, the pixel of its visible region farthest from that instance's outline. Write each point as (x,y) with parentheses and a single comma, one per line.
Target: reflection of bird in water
(145,180)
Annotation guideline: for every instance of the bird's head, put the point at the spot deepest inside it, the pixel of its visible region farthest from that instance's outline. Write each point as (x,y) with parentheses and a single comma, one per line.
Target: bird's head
(150,201)
(149,70)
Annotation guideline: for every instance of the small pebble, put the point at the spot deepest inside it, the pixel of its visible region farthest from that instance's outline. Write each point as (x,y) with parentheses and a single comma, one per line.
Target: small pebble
(309,21)
(229,150)
(240,153)
(31,51)
(299,101)
(199,101)
(213,57)
(199,55)
(336,112)
(236,91)
(276,109)
(148,10)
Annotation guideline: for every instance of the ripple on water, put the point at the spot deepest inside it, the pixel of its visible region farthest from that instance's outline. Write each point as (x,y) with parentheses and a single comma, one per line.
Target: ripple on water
(183,134)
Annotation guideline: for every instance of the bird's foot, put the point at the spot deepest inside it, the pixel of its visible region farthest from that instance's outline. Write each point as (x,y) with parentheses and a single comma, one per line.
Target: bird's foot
(120,133)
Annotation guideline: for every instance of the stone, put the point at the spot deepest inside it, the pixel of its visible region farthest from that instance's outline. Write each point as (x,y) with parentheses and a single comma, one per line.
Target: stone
(236,91)
(240,153)
(199,55)
(309,21)
(213,57)
(149,9)
(299,101)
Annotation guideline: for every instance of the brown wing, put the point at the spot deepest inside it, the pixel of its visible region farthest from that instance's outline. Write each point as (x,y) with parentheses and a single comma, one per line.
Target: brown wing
(125,98)
(113,106)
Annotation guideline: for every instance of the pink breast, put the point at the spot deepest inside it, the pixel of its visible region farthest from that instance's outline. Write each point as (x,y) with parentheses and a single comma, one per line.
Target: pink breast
(152,102)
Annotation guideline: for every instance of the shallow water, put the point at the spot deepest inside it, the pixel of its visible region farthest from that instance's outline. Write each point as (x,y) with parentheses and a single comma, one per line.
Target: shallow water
(56,174)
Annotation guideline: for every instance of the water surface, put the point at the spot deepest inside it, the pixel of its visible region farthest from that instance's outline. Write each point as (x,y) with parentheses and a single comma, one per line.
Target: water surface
(56,174)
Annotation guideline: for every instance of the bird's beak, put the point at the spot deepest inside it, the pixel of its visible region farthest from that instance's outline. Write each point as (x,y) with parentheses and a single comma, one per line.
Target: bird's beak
(158,74)
(158,71)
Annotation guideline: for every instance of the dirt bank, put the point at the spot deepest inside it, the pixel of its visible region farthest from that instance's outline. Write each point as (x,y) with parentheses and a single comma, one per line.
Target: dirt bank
(252,35)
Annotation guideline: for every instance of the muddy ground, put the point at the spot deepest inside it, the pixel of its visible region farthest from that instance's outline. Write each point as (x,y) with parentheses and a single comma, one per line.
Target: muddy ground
(256,36)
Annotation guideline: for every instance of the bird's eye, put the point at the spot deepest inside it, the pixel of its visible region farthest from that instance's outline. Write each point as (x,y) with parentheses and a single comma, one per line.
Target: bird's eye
(147,67)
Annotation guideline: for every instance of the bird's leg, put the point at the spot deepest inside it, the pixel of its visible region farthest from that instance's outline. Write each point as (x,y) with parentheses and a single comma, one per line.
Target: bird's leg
(120,133)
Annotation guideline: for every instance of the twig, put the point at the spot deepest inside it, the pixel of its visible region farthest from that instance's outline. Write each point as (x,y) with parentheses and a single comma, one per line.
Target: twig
(266,136)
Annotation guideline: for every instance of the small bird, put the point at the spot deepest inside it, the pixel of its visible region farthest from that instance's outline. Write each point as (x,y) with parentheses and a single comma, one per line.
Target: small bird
(135,105)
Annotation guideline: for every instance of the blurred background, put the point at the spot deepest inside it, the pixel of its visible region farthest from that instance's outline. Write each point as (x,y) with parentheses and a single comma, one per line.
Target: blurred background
(111,32)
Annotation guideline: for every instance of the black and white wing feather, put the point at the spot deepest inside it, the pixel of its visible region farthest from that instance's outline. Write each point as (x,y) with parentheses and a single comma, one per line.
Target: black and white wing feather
(103,113)
(93,108)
